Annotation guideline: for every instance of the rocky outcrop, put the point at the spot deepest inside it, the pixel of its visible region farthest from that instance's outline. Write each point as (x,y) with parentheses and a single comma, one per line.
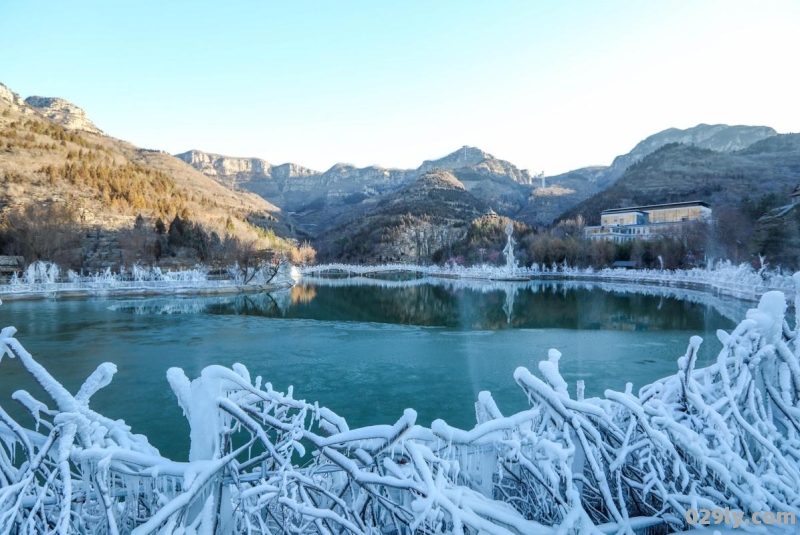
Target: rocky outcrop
(9,96)
(224,167)
(63,113)
(228,169)
(437,180)
(290,170)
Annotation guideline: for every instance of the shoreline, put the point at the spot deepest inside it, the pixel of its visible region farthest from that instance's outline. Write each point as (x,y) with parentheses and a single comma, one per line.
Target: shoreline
(741,282)
(737,282)
(139,291)
(751,294)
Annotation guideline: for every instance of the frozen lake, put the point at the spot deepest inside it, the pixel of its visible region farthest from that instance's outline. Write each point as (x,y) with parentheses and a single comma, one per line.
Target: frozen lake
(366,352)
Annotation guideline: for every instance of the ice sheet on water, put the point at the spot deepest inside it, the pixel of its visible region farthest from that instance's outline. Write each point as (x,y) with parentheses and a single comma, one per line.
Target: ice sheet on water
(358,326)
(467,334)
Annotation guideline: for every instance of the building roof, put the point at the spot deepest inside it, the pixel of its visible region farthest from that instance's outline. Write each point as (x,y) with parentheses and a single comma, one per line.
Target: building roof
(655,207)
(623,211)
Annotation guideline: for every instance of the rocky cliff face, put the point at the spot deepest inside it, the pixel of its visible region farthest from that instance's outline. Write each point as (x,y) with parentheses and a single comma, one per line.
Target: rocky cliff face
(290,170)
(63,113)
(227,168)
(252,174)
(224,167)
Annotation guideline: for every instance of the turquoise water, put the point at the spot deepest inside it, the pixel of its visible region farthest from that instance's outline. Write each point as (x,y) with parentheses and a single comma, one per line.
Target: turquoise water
(365,352)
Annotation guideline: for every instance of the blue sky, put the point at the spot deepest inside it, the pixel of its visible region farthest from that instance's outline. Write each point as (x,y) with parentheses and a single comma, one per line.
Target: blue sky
(550,86)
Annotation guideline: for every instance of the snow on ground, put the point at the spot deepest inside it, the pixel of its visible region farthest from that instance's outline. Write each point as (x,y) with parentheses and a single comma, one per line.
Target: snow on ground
(263,461)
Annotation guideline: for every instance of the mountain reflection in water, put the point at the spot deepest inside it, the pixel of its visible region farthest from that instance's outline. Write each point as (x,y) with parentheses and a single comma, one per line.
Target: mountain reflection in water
(466,304)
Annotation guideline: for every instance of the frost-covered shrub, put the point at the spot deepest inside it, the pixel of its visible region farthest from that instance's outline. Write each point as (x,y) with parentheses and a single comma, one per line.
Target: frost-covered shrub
(261,461)
(41,272)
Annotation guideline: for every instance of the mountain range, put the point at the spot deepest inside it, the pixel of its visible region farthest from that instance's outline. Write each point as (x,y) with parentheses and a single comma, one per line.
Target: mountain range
(346,205)
(320,201)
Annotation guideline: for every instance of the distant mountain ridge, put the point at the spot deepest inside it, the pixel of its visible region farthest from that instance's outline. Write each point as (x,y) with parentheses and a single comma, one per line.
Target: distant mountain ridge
(678,172)
(564,191)
(716,137)
(320,201)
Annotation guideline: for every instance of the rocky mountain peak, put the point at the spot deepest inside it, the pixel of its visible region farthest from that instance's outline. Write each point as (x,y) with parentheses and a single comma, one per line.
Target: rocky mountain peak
(339,168)
(463,157)
(9,96)
(474,159)
(63,113)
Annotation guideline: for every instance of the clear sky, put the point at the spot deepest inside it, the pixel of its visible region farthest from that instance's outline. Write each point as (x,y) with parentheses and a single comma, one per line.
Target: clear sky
(550,86)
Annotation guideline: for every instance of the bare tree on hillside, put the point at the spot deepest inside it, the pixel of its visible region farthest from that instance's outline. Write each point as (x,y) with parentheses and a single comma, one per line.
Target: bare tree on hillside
(43,232)
(138,243)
